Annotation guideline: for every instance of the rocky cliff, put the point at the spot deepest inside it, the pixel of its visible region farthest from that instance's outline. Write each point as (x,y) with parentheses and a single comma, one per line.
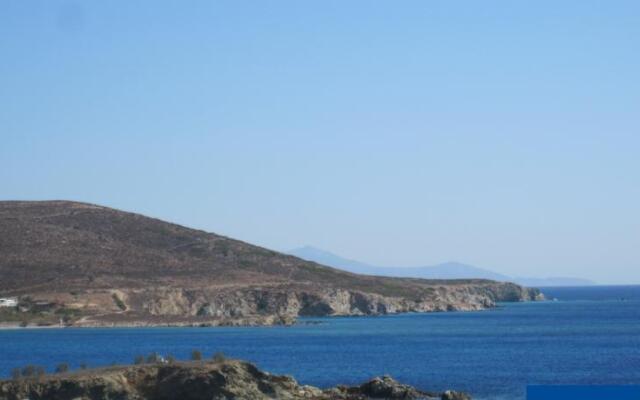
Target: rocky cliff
(273,305)
(87,265)
(199,381)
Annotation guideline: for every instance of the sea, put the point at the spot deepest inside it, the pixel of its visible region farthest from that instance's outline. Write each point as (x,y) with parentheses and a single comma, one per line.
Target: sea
(585,335)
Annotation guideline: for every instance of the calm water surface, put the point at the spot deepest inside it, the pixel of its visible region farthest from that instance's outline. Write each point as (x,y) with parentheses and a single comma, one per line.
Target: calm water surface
(590,335)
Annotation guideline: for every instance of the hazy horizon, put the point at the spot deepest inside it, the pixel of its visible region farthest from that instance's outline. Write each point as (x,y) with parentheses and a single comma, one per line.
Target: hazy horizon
(502,135)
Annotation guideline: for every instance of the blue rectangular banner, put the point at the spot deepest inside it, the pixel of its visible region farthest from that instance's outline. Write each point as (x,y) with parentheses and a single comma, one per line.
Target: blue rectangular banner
(583,392)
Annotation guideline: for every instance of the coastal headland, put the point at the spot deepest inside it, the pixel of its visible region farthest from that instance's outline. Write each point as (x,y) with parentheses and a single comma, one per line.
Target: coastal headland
(79,264)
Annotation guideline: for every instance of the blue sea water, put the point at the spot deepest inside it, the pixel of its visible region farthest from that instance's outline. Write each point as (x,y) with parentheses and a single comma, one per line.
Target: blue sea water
(588,336)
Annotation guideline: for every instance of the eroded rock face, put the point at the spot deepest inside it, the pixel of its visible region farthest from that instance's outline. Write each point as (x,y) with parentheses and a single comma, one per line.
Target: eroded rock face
(270,305)
(199,381)
(314,302)
(282,305)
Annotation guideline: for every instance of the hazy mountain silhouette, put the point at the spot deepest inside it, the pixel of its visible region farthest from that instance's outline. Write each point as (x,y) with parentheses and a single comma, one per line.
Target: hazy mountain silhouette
(447,270)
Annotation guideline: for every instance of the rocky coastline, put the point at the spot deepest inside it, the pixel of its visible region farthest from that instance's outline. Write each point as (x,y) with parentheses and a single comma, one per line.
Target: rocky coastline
(200,380)
(256,306)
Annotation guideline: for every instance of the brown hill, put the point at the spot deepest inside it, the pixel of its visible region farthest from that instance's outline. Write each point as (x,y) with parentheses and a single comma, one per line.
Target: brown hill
(96,265)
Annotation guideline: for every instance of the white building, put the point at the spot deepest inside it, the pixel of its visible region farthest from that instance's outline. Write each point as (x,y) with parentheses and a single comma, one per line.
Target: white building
(8,302)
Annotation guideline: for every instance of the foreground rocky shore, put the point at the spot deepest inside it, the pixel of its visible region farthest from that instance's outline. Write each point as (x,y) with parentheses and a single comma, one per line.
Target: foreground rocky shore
(229,379)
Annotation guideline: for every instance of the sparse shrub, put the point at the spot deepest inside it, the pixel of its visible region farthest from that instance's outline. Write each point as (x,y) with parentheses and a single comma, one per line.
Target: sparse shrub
(139,359)
(83,366)
(153,358)
(16,373)
(196,355)
(171,359)
(219,357)
(119,303)
(64,311)
(32,371)
(66,315)
(29,371)
(24,324)
(62,368)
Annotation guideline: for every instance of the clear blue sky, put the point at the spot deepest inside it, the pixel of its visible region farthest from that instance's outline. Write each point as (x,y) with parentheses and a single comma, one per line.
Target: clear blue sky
(504,134)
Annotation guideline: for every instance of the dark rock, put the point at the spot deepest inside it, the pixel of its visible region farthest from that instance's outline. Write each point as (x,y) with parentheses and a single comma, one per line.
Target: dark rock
(388,388)
(451,395)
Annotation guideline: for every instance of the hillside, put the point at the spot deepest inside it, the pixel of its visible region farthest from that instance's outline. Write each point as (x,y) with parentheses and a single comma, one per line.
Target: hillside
(92,265)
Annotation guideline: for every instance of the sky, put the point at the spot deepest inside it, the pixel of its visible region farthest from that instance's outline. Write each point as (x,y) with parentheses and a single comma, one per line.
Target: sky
(497,133)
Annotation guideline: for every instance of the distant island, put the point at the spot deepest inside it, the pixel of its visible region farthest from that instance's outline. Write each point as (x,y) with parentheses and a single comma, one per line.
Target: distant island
(447,270)
(76,264)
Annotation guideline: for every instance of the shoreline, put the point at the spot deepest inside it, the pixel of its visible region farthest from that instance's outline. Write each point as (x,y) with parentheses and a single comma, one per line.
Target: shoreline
(5,326)
(258,321)
(201,379)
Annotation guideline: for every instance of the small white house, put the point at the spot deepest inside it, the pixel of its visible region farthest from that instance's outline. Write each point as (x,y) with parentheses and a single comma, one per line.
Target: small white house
(8,302)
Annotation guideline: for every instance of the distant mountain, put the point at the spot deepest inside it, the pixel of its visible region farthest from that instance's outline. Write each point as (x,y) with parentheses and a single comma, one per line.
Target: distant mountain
(553,281)
(323,257)
(448,270)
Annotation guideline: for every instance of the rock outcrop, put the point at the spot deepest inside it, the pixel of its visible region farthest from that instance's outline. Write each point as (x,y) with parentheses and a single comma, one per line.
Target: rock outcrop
(199,381)
(282,305)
